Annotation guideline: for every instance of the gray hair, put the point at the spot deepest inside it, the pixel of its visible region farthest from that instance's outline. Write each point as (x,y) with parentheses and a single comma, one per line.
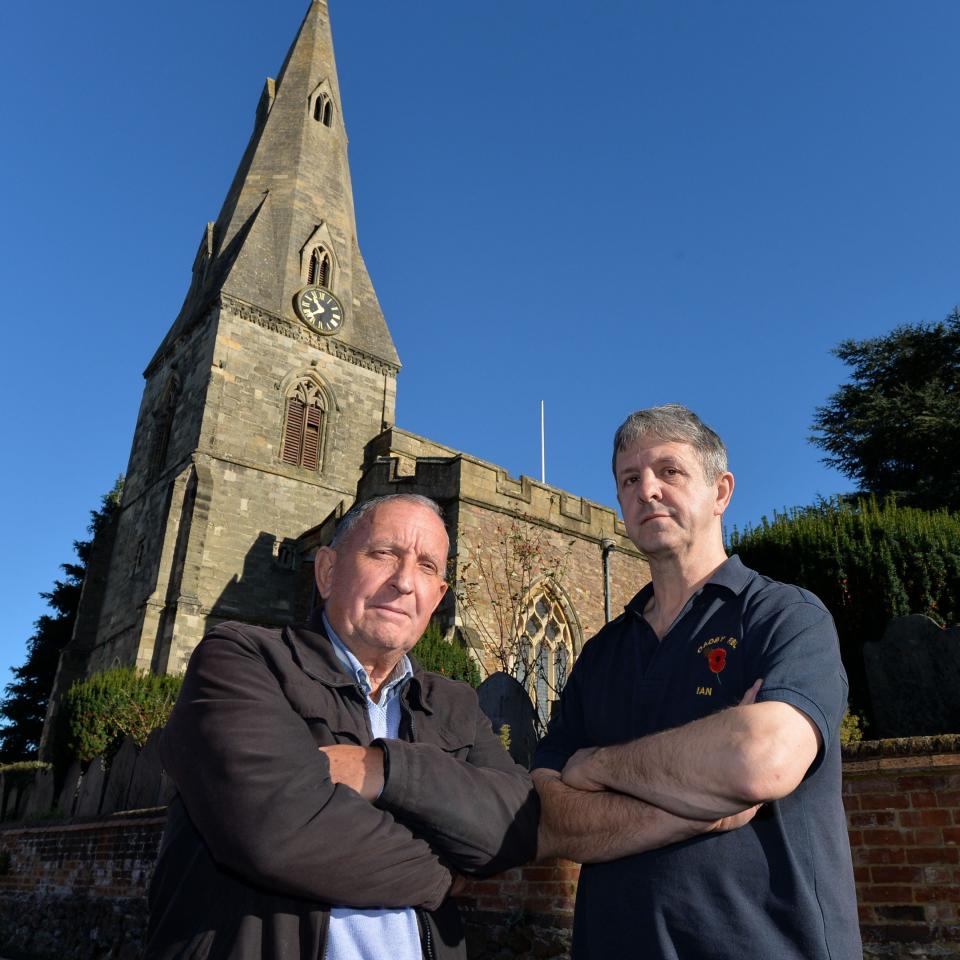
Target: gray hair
(359,510)
(673,423)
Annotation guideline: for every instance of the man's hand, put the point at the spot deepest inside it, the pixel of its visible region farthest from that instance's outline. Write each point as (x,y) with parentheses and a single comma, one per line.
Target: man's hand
(459,885)
(736,820)
(751,695)
(580,773)
(360,768)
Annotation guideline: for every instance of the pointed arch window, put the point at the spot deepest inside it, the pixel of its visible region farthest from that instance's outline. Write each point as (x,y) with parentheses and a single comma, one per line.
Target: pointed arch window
(319,270)
(545,648)
(323,110)
(304,425)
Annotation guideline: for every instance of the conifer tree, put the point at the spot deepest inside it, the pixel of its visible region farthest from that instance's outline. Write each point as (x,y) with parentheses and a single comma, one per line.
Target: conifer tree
(24,705)
(895,427)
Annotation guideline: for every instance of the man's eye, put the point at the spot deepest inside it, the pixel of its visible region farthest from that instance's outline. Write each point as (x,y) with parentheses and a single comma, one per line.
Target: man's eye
(428,567)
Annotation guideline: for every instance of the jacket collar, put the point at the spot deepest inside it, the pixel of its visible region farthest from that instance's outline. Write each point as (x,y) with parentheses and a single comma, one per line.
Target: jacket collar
(313,652)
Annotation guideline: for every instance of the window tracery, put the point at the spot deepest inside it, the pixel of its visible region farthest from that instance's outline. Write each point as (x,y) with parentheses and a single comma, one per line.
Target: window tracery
(545,648)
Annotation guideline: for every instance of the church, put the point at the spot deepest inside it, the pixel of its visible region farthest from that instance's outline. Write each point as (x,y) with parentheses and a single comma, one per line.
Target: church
(268,410)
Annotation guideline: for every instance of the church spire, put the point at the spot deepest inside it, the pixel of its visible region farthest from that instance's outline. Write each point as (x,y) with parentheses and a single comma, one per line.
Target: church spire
(289,212)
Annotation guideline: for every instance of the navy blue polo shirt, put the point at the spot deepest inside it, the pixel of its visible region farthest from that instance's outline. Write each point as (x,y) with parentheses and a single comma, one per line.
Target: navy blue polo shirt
(782,886)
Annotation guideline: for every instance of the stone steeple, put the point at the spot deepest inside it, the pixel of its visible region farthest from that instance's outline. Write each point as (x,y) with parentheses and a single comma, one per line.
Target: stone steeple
(253,422)
(292,190)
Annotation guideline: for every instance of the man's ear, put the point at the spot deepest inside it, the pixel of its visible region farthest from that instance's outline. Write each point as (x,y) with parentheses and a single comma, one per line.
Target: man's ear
(724,486)
(323,564)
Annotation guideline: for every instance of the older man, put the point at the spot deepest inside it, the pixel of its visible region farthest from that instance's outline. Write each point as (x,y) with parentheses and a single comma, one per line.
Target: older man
(694,764)
(329,790)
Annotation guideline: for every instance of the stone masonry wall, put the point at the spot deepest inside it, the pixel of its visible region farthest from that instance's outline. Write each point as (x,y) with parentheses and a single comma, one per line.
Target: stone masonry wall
(76,892)
(482,500)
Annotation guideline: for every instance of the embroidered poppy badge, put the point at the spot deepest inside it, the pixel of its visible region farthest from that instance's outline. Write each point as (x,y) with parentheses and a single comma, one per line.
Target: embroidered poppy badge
(717,660)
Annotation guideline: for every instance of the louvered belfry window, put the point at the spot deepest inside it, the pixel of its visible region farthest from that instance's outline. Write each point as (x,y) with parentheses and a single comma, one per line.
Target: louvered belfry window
(319,271)
(303,427)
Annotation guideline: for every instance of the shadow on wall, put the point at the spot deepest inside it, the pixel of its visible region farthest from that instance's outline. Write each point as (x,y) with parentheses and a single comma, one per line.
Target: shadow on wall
(273,589)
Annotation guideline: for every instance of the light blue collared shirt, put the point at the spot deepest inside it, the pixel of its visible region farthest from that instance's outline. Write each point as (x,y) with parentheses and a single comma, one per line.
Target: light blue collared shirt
(374,934)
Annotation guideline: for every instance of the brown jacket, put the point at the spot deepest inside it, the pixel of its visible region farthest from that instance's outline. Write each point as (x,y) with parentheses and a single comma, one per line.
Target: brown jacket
(260,842)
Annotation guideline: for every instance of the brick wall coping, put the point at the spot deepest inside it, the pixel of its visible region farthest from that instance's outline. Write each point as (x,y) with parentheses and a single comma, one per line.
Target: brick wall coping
(154,816)
(921,749)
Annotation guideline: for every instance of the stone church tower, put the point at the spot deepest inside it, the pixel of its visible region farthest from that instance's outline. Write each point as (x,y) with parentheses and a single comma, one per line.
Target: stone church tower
(259,401)
(268,409)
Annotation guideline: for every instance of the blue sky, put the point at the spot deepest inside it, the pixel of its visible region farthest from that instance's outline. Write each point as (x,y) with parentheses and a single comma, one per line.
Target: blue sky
(602,205)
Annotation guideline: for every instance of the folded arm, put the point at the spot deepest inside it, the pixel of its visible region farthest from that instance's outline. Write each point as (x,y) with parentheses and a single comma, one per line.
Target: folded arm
(468,799)
(253,783)
(596,826)
(710,768)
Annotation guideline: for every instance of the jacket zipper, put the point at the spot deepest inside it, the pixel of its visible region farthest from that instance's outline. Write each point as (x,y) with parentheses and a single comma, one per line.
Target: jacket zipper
(427,939)
(407,715)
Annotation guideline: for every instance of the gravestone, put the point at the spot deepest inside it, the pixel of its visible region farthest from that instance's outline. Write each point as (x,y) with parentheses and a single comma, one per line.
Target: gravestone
(168,789)
(16,785)
(40,800)
(67,800)
(504,701)
(118,777)
(145,782)
(91,789)
(913,675)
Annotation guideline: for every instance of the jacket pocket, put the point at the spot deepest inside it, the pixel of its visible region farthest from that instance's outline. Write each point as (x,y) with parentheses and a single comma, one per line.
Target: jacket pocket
(330,719)
(454,741)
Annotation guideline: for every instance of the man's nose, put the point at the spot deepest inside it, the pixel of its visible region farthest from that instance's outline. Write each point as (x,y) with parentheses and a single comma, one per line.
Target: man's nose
(648,488)
(402,577)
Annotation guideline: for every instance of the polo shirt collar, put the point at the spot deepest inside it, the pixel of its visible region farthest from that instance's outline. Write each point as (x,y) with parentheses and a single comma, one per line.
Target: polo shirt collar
(731,575)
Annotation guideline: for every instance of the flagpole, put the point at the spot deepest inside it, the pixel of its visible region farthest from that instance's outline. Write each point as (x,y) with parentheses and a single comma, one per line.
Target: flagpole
(543,449)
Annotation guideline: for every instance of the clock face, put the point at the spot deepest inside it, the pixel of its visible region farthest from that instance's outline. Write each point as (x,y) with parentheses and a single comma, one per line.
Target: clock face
(320,309)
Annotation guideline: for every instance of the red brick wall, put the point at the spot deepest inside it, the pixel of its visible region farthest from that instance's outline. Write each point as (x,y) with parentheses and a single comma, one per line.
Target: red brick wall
(903,811)
(113,859)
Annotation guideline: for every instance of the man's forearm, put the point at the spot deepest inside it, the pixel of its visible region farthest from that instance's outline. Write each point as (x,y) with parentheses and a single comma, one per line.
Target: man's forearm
(710,768)
(595,827)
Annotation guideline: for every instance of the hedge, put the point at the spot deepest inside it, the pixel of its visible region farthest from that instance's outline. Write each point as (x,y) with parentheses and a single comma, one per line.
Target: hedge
(868,562)
(117,703)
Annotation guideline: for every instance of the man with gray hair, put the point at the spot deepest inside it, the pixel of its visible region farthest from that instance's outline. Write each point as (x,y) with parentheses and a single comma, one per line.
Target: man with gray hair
(330,791)
(693,766)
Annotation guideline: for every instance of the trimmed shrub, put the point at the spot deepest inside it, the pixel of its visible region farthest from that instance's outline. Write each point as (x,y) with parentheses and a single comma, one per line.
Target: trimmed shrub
(117,703)
(868,562)
(434,652)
